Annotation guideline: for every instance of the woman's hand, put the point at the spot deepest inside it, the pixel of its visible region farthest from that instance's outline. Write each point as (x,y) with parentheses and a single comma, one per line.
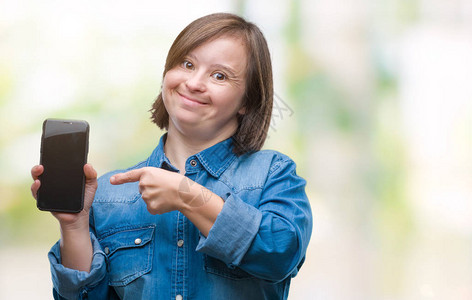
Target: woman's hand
(75,244)
(158,188)
(164,191)
(71,219)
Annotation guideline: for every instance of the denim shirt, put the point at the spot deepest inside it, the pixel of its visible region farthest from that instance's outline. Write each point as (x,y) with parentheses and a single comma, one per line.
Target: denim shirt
(256,245)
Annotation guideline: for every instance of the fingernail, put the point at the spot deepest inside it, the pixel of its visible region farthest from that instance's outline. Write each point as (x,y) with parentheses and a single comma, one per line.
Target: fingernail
(112,179)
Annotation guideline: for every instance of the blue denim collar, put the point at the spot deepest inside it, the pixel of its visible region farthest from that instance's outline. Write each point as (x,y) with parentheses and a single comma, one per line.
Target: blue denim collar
(218,157)
(214,159)
(158,158)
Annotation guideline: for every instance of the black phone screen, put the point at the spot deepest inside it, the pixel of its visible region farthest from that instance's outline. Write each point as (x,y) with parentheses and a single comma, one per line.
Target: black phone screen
(64,148)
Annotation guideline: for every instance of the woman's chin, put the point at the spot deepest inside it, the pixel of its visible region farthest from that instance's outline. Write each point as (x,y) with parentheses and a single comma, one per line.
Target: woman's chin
(188,124)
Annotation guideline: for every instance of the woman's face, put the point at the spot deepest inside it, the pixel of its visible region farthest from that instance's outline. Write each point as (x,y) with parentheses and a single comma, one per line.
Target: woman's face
(204,93)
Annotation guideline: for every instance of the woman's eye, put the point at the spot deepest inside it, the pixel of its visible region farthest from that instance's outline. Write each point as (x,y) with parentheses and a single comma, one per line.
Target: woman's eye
(187,65)
(219,76)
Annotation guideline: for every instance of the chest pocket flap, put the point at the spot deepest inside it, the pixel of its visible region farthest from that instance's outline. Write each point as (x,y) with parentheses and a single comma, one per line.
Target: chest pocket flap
(129,253)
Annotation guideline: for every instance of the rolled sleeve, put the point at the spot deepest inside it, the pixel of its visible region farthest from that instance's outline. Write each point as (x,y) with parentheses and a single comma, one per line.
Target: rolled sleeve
(233,231)
(270,241)
(70,283)
(279,248)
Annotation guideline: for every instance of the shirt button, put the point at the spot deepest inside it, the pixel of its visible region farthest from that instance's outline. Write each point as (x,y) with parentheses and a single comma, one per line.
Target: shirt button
(193,162)
(137,241)
(180,243)
(106,250)
(178,297)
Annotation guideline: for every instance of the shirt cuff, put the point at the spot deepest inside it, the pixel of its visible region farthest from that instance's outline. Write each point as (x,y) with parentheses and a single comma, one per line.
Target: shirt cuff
(233,231)
(69,282)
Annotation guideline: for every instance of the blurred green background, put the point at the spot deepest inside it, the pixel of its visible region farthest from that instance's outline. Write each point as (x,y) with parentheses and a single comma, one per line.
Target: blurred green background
(373,103)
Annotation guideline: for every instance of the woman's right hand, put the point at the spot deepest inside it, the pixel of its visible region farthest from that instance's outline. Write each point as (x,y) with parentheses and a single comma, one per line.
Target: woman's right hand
(71,220)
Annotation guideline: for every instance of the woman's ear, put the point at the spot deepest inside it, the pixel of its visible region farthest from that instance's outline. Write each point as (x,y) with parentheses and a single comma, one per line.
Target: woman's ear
(242,110)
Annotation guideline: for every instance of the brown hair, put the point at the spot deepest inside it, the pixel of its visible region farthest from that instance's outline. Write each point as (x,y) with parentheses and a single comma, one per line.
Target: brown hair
(253,125)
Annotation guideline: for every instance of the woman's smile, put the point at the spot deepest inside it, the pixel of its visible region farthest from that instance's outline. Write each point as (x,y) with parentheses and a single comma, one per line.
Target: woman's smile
(191,101)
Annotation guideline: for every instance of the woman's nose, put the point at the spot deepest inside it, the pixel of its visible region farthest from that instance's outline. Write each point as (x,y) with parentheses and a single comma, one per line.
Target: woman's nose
(196,82)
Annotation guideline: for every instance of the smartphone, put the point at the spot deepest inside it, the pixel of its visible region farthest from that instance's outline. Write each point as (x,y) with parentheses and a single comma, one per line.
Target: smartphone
(64,149)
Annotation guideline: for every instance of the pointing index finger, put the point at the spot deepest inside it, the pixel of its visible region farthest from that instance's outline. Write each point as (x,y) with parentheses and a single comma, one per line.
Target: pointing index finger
(130,176)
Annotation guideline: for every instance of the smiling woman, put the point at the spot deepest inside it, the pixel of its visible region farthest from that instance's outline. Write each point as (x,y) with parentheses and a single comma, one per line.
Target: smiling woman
(207,215)
(202,100)
(249,68)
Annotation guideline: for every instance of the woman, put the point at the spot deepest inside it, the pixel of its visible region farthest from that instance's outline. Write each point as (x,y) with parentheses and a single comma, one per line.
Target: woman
(207,215)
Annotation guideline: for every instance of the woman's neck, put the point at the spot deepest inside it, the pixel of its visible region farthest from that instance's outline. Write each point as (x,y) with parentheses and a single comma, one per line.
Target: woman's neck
(179,147)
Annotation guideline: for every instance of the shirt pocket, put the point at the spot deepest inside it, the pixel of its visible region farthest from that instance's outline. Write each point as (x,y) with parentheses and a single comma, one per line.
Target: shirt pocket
(217,267)
(129,253)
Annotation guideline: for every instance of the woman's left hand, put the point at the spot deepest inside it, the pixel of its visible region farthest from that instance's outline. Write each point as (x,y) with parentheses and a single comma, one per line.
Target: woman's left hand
(165,191)
(162,190)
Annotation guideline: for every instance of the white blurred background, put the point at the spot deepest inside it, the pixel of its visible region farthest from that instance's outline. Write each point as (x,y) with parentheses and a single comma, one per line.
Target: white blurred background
(374,106)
